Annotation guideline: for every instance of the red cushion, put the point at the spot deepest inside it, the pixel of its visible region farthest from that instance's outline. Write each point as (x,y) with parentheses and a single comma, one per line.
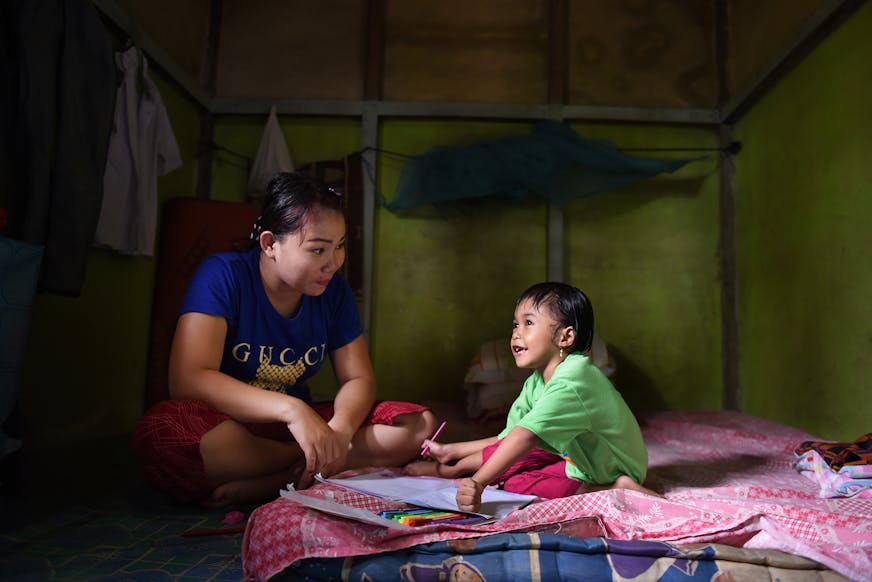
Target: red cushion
(192,229)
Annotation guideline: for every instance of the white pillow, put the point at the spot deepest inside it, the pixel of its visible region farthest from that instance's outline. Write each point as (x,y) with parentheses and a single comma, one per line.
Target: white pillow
(493,362)
(493,381)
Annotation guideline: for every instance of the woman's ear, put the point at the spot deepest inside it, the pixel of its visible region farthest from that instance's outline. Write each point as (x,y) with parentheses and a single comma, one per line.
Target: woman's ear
(267,241)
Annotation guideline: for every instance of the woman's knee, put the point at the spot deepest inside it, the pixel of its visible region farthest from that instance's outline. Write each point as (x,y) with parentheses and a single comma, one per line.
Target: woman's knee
(421,425)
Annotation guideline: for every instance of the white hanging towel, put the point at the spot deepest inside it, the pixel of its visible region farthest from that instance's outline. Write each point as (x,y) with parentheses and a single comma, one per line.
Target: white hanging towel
(141,148)
(272,157)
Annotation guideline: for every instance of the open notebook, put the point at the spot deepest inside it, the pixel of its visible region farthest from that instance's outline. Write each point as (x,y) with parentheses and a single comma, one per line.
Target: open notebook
(432,492)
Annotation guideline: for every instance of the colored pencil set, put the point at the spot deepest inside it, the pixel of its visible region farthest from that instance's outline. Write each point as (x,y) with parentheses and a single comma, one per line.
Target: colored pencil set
(421,516)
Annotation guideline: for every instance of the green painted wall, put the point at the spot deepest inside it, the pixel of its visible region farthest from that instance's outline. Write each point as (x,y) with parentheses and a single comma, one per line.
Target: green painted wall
(647,255)
(804,182)
(446,281)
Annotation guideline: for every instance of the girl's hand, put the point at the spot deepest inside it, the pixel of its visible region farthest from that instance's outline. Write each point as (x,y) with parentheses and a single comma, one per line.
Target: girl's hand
(439,452)
(469,495)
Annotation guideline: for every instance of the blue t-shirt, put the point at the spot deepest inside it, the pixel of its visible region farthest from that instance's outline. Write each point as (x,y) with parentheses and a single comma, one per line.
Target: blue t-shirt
(263,348)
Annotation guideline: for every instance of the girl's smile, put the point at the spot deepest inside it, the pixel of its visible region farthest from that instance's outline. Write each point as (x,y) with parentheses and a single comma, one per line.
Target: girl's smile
(537,338)
(532,336)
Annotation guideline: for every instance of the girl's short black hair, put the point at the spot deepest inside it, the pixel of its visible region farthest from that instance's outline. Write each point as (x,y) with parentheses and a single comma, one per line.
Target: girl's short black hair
(290,199)
(569,306)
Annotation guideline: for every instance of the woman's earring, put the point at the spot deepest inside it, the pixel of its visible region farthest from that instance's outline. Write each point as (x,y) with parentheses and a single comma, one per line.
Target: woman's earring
(561,353)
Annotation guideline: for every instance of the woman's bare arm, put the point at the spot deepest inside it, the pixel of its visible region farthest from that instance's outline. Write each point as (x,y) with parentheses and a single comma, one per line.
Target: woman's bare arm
(356,394)
(195,374)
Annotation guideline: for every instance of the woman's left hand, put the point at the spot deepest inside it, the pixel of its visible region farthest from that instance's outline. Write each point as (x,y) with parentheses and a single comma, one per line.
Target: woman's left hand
(341,445)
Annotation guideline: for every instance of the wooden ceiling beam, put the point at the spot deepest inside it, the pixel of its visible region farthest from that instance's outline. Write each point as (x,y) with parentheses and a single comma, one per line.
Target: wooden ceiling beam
(558,51)
(828,16)
(374,17)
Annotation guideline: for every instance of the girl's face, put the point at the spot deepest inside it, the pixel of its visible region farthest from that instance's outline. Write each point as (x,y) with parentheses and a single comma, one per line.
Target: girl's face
(534,335)
(306,260)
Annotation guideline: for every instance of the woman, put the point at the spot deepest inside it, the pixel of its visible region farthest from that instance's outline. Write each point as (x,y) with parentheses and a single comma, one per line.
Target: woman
(254,326)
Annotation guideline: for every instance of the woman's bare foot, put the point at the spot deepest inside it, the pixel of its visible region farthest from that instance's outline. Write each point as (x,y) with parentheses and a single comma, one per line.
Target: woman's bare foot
(260,489)
(422,469)
(254,489)
(221,496)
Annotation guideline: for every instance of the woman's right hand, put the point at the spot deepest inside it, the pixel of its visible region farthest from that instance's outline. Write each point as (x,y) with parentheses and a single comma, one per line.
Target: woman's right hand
(195,374)
(324,449)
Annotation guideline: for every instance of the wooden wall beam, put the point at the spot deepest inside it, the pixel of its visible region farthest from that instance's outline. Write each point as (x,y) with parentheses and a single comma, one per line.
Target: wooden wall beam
(369,143)
(558,54)
(374,17)
(826,18)
(728,271)
(157,56)
(337,108)
(208,78)
(722,50)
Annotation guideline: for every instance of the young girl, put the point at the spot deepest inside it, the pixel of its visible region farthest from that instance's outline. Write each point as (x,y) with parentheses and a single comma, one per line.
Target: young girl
(568,432)
(254,326)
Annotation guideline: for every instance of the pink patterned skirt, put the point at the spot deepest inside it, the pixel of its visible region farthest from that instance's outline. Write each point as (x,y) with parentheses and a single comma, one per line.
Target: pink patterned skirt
(167,440)
(537,473)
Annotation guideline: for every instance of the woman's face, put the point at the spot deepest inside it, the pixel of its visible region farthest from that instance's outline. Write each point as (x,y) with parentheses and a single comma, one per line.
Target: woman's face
(306,260)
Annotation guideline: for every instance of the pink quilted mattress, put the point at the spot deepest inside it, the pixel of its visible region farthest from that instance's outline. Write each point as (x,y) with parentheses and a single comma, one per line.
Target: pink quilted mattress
(727,478)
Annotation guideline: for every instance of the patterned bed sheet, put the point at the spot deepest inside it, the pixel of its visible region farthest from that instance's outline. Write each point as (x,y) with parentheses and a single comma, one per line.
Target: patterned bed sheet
(534,556)
(728,483)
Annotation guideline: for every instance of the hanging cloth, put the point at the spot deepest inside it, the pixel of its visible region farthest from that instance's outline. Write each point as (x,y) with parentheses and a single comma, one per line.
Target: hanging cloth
(19,270)
(141,148)
(57,92)
(272,157)
(553,162)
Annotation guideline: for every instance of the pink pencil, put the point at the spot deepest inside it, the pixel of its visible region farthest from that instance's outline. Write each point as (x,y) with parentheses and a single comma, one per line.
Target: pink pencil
(436,434)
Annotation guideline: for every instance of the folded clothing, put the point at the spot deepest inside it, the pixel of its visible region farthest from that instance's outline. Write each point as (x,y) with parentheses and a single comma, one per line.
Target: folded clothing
(837,455)
(839,469)
(849,481)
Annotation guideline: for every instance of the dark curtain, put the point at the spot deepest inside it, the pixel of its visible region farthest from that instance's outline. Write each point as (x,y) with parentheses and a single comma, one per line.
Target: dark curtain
(58,92)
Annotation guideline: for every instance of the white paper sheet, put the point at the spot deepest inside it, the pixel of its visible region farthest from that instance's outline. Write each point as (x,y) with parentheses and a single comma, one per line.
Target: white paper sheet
(433,492)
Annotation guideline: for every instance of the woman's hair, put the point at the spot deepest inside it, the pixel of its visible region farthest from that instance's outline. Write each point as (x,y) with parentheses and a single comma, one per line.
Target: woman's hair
(568,305)
(290,199)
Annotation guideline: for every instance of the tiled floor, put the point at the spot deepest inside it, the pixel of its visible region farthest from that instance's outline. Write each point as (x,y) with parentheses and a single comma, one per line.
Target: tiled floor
(84,513)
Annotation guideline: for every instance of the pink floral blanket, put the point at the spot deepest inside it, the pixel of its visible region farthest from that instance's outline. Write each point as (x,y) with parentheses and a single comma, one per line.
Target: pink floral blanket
(726,477)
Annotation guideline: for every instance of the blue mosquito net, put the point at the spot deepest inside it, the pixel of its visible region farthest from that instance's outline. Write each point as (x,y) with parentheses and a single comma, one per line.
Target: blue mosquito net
(552,161)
